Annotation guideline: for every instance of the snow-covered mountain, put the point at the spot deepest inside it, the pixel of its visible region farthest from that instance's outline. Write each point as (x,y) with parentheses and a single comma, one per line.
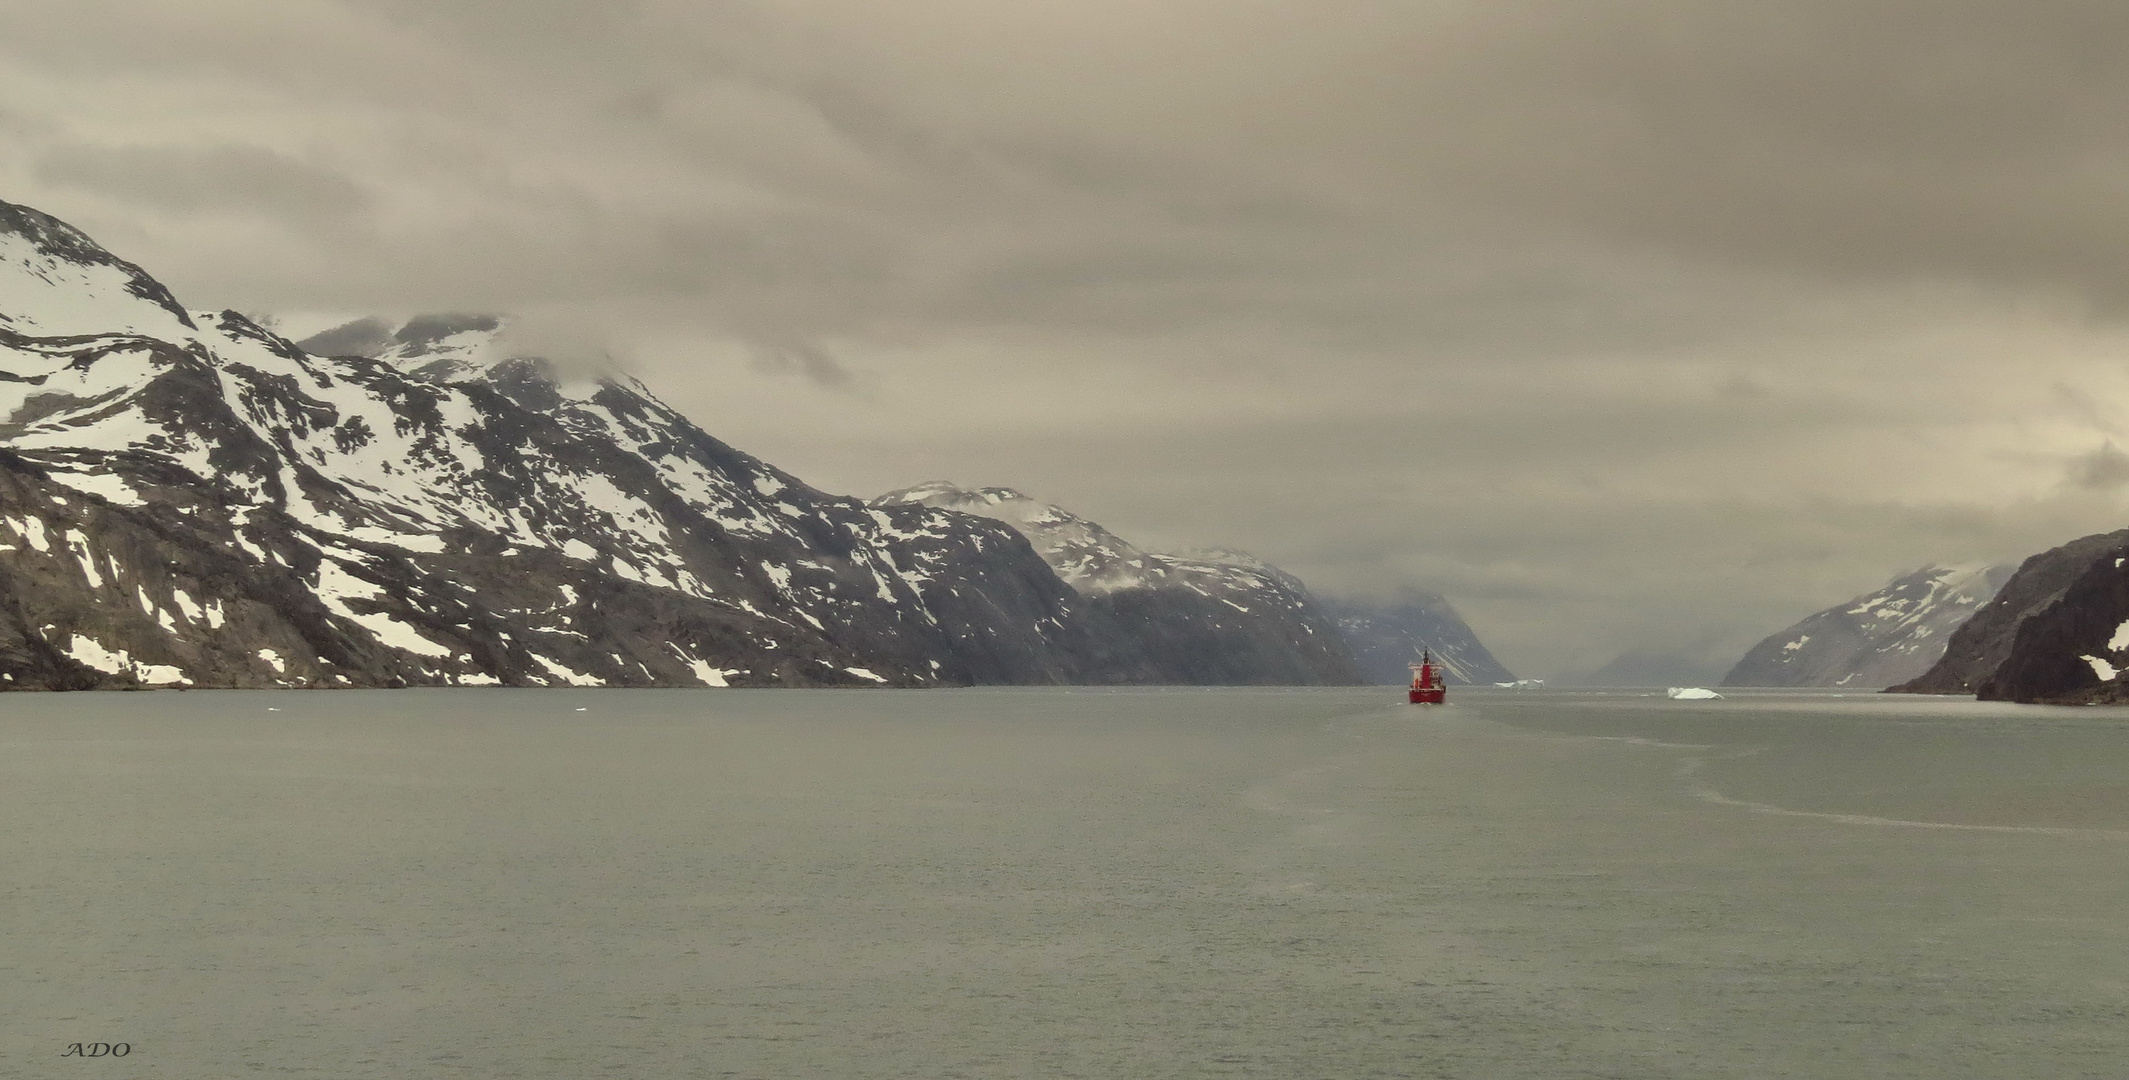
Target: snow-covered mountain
(1221,616)
(1876,639)
(1387,637)
(189,498)
(439,348)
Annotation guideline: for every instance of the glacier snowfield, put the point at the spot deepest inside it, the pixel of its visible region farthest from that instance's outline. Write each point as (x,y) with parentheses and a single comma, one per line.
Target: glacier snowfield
(1089,882)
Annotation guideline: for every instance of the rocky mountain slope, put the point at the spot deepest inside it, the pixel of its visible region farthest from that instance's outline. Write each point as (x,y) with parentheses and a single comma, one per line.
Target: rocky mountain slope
(1876,639)
(187,498)
(1389,636)
(1215,616)
(2058,631)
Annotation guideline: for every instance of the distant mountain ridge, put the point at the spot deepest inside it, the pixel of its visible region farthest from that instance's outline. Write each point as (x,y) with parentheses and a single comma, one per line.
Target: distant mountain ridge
(1223,616)
(1877,639)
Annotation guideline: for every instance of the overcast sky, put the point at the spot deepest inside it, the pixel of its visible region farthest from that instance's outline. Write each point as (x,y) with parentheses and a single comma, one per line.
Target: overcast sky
(1623,323)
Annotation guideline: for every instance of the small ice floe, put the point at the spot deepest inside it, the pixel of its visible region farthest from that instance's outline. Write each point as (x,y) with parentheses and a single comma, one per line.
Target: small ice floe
(1692,693)
(1521,684)
(581,708)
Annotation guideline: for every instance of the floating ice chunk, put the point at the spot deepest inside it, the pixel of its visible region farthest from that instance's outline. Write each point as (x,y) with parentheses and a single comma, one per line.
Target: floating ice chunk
(1692,693)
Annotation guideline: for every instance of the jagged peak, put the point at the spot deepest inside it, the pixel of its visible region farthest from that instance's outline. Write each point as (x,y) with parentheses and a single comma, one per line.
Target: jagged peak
(1088,556)
(375,336)
(437,347)
(461,347)
(425,332)
(1941,572)
(65,282)
(366,337)
(1220,556)
(239,325)
(50,235)
(936,492)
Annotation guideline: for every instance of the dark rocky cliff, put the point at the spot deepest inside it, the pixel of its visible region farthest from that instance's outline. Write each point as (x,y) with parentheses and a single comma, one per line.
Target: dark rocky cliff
(2054,633)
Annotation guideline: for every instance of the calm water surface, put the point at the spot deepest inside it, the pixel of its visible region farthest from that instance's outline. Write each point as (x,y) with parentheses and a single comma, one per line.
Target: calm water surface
(1051,883)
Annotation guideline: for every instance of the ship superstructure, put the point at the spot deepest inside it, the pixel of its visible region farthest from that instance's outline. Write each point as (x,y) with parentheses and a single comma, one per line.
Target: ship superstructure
(1427,685)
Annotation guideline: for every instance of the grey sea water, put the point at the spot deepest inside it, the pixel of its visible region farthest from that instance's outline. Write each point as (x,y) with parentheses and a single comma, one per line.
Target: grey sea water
(1061,883)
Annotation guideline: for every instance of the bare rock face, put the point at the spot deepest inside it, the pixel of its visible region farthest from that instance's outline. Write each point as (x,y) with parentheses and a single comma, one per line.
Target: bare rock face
(2058,631)
(1201,617)
(1876,639)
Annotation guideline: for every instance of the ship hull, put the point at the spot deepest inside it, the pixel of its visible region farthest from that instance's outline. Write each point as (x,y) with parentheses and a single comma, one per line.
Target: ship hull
(1434,696)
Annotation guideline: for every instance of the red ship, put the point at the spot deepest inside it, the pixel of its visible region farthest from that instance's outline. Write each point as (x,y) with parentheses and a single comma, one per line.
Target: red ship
(1427,687)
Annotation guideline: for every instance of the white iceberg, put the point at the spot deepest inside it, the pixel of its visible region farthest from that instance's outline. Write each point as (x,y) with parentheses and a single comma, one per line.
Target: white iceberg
(1692,693)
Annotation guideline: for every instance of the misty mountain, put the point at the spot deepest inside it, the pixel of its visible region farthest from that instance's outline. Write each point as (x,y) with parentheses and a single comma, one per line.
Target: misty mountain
(1647,667)
(1877,639)
(1388,636)
(188,498)
(2057,632)
(1218,616)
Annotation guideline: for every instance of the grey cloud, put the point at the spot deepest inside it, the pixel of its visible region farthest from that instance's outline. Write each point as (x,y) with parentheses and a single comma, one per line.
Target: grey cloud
(2087,410)
(242,179)
(805,359)
(1971,139)
(2104,469)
